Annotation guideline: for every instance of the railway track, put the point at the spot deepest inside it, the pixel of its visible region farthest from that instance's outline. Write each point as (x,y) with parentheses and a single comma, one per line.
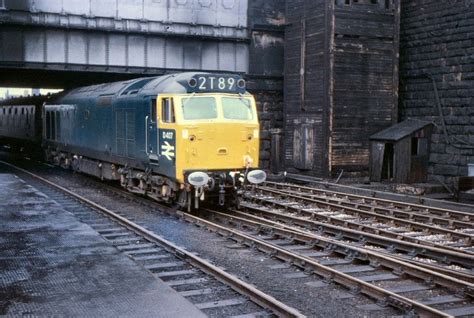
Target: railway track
(412,211)
(388,278)
(208,287)
(443,259)
(369,218)
(448,262)
(361,270)
(389,281)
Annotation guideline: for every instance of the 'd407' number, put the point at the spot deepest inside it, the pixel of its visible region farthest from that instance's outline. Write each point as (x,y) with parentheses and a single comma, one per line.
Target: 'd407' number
(222,83)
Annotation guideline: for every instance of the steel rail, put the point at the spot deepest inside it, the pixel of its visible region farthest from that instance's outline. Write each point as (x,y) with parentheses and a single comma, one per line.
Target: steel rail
(443,212)
(462,275)
(326,272)
(410,248)
(353,251)
(379,209)
(358,232)
(257,296)
(466,238)
(452,273)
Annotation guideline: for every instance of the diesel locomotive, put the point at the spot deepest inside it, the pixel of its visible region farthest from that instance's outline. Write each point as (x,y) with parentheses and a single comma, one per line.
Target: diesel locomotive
(179,138)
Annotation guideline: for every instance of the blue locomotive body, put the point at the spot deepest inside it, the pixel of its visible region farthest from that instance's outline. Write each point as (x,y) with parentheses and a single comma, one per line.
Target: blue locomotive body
(104,122)
(163,137)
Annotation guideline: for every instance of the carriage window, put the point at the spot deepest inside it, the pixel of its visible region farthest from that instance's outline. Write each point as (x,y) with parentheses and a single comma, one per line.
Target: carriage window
(167,111)
(58,125)
(53,126)
(237,108)
(48,125)
(199,108)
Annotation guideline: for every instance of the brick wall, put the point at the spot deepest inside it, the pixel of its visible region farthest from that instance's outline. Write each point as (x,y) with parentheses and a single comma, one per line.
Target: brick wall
(437,53)
(270,112)
(266,26)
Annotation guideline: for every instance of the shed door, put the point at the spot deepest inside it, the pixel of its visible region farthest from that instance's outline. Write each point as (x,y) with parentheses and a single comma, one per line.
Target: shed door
(376,164)
(303,141)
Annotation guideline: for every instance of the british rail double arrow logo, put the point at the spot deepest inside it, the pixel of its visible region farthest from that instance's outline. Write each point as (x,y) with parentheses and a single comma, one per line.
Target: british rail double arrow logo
(167,150)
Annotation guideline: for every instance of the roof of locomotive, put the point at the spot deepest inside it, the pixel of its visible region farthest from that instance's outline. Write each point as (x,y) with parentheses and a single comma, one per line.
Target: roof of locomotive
(145,86)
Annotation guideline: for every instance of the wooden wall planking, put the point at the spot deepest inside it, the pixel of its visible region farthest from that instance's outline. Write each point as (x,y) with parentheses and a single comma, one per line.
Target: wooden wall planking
(346,57)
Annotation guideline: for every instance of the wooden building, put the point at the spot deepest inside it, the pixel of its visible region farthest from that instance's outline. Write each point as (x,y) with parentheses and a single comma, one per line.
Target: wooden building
(401,153)
(341,82)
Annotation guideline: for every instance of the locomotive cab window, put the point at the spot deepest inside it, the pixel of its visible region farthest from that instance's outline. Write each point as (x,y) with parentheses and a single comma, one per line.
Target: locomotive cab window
(237,108)
(199,108)
(167,110)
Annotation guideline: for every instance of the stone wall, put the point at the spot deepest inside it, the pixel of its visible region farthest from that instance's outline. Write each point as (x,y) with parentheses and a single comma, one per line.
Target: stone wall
(437,60)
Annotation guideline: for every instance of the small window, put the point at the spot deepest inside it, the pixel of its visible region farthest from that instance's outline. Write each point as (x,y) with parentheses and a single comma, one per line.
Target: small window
(53,126)
(48,125)
(199,108)
(167,110)
(58,125)
(153,110)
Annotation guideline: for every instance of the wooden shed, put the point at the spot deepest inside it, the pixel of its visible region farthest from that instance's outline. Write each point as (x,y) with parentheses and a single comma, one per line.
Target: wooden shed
(341,82)
(401,153)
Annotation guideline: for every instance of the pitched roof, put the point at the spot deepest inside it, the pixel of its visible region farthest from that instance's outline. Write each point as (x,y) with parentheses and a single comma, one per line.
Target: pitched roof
(400,130)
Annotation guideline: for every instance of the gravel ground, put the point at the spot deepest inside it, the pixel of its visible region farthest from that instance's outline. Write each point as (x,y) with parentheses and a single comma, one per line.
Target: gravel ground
(252,266)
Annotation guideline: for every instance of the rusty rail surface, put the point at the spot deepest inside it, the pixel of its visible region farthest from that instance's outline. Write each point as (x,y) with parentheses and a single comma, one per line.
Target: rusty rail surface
(330,274)
(391,207)
(459,239)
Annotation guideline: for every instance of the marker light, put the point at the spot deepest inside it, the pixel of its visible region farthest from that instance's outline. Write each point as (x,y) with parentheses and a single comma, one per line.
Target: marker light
(256,176)
(192,82)
(198,179)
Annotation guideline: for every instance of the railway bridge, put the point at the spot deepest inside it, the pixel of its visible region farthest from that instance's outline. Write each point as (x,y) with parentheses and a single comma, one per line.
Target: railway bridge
(65,44)
(48,43)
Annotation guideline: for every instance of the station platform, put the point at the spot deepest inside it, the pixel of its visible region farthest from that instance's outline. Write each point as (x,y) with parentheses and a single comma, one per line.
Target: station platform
(53,265)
